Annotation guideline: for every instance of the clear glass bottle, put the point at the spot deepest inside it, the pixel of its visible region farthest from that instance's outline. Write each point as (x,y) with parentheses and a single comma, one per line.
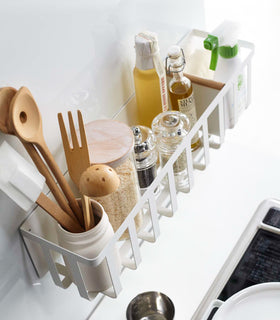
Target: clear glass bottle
(149,79)
(145,155)
(111,142)
(181,90)
(170,128)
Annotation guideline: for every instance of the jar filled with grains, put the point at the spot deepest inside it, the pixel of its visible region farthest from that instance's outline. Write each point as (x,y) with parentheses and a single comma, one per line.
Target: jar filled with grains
(111,142)
(170,128)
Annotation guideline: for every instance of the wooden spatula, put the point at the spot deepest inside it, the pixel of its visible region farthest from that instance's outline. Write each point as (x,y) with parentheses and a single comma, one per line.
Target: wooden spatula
(77,159)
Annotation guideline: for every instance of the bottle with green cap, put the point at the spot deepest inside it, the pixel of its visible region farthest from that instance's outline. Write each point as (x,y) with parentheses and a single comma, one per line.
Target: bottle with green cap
(225,61)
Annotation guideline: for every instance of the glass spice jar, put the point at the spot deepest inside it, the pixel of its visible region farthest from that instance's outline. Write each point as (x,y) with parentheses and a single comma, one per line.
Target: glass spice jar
(170,128)
(111,142)
(145,156)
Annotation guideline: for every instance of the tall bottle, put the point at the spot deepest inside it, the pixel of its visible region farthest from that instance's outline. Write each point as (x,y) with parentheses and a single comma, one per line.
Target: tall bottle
(149,79)
(181,90)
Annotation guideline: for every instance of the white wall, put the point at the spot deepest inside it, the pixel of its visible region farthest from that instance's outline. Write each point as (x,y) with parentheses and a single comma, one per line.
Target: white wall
(70,54)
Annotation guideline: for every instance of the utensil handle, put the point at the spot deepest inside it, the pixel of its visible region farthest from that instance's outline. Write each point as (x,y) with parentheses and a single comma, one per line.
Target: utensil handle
(58,214)
(87,212)
(58,195)
(43,148)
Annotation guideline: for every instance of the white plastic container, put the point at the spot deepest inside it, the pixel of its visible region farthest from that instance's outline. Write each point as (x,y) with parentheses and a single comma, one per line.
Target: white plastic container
(226,61)
(89,244)
(233,108)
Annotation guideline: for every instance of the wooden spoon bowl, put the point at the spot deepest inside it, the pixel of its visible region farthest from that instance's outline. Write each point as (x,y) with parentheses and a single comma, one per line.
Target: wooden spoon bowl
(26,117)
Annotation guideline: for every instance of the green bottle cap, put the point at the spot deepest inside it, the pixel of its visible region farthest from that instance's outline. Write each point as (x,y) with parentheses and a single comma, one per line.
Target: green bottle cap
(228,52)
(212,43)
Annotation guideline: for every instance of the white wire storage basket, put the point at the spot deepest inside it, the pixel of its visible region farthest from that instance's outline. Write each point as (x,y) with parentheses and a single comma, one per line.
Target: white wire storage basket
(42,244)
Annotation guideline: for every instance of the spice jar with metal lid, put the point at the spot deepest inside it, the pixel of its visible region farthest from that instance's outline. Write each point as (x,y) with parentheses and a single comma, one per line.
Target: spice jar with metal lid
(170,128)
(111,142)
(145,156)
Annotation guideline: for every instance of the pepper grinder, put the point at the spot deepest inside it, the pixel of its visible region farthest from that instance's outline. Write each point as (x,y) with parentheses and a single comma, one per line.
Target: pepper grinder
(145,156)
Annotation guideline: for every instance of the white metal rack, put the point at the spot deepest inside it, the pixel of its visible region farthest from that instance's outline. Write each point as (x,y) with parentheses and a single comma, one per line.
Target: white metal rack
(42,244)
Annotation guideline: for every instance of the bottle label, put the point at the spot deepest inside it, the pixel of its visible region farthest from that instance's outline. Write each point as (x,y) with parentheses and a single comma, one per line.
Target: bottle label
(158,66)
(187,106)
(162,81)
(160,71)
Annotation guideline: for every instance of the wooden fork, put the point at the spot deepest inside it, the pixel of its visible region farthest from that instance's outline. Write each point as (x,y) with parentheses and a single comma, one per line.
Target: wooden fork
(77,159)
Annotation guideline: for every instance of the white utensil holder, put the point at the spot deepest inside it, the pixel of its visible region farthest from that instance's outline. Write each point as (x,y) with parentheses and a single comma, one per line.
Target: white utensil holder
(39,236)
(89,244)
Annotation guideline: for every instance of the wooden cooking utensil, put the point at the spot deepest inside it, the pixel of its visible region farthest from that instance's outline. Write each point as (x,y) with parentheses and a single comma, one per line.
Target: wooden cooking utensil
(6,96)
(77,159)
(87,212)
(26,119)
(98,180)
(58,214)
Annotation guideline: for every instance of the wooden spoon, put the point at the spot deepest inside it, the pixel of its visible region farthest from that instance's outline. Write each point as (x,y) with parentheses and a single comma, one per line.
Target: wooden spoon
(6,96)
(26,119)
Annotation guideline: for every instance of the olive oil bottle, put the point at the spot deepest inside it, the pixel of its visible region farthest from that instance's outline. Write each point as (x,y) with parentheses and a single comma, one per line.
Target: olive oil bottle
(149,79)
(181,90)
